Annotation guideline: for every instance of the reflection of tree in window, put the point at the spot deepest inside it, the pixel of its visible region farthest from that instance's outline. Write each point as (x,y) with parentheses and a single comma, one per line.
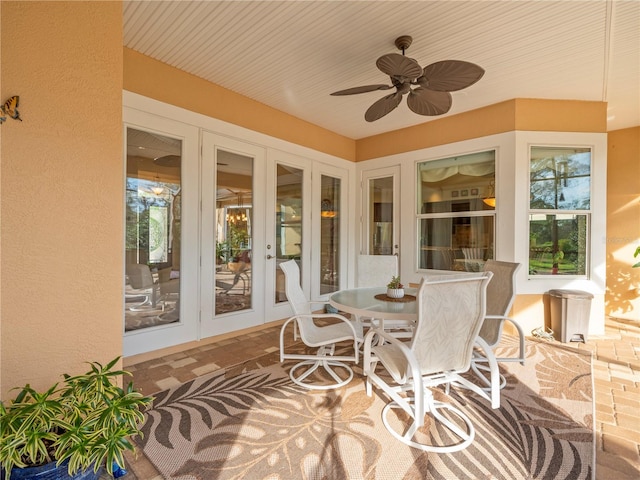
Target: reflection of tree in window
(560,193)
(560,182)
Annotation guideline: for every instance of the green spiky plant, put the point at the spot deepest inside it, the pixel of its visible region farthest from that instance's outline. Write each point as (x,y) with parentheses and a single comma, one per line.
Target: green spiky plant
(637,253)
(86,419)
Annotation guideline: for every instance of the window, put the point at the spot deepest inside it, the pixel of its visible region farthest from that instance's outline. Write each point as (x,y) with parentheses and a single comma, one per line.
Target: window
(559,210)
(152,229)
(330,235)
(456,212)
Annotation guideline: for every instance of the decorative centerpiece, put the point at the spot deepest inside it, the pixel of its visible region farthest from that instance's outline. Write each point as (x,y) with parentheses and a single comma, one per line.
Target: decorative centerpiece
(395,289)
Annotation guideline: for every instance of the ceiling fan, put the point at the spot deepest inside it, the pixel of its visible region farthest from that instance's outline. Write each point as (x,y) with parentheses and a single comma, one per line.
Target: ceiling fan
(430,95)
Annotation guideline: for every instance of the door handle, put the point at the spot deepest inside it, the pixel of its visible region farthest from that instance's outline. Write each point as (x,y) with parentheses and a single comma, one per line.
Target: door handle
(269,257)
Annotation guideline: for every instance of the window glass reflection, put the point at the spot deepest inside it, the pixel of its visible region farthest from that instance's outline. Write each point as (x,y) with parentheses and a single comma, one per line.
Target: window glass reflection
(456,212)
(152,230)
(330,235)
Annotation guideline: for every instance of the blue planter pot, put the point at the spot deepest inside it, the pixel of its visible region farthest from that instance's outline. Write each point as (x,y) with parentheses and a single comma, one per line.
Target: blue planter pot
(51,472)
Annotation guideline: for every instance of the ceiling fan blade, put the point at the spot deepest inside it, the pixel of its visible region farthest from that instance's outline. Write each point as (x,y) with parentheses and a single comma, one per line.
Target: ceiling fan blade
(396,65)
(428,102)
(363,89)
(383,106)
(450,75)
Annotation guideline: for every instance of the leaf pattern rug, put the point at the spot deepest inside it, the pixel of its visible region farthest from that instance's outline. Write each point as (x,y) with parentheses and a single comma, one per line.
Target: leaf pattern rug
(251,422)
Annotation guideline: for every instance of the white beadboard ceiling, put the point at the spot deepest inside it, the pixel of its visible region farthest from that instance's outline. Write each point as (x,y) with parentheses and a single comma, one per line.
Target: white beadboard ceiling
(291,55)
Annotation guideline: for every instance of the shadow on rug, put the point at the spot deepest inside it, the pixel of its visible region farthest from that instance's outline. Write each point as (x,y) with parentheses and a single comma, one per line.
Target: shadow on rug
(252,422)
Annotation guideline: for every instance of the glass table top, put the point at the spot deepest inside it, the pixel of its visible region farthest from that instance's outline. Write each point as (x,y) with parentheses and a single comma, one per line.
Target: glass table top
(362,301)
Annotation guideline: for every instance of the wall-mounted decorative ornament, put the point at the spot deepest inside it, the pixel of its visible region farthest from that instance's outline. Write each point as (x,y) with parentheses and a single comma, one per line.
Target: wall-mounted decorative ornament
(10,109)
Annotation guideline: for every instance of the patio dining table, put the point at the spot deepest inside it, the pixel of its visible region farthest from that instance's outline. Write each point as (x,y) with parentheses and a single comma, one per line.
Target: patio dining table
(363,302)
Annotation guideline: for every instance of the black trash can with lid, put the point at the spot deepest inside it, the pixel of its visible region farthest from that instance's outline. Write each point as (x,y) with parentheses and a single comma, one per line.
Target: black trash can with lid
(570,312)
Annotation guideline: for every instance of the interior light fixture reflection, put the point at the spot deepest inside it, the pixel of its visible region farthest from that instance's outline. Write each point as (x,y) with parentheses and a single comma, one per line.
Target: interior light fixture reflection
(158,188)
(326,209)
(490,199)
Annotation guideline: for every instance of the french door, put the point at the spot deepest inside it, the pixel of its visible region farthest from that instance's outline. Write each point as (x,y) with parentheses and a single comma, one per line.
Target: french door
(232,250)
(207,228)
(161,213)
(381,211)
(288,227)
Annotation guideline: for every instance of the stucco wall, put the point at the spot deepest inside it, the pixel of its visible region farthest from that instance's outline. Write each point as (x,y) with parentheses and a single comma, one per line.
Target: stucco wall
(160,81)
(623,224)
(61,190)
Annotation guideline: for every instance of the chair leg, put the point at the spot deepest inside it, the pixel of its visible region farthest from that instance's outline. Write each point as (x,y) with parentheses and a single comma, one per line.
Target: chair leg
(329,366)
(481,372)
(495,381)
(465,436)
(324,360)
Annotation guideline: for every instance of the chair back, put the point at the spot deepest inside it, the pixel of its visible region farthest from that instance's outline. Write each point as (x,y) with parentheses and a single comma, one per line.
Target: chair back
(450,315)
(140,276)
(376,270)
(500,296)
(501,290)
(473,253)
(295,295)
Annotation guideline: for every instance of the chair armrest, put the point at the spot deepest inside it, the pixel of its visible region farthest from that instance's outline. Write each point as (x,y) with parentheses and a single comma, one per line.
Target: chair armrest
(394,343)
(357,335)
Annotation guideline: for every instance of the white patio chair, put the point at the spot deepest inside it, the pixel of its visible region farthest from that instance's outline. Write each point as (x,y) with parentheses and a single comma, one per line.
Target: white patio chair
(376,271)
(473,258)
(142,289)
(500,296)
(323,337)
(450,315)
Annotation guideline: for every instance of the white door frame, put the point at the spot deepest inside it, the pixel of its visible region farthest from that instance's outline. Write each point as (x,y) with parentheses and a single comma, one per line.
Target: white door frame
(276,311)
(368,175)
(211,324)
(154,338)
(320,169)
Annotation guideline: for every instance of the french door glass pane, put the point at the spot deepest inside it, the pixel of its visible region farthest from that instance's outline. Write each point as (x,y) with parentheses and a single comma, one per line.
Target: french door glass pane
(288,218)
(152,226)
(234,234)
(330,235)
(381,216)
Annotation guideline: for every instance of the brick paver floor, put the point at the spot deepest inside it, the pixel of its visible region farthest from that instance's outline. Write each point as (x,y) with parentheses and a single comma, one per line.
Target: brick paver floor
(616,368)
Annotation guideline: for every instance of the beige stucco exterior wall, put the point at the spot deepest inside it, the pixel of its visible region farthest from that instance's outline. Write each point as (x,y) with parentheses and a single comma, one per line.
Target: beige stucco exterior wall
(160,81)
(523,114)
(61,190)
(623,224)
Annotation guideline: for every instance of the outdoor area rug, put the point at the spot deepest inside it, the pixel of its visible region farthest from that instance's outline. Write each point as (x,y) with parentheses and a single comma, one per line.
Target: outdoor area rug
(251,422)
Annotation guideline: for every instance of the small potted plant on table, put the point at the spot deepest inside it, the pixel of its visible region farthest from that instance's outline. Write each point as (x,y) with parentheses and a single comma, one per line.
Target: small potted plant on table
(72,429)
(395,289)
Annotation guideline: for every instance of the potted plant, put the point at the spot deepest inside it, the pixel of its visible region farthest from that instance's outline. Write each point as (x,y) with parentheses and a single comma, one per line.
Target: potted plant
(74,428)
(222,252)
(395,289)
